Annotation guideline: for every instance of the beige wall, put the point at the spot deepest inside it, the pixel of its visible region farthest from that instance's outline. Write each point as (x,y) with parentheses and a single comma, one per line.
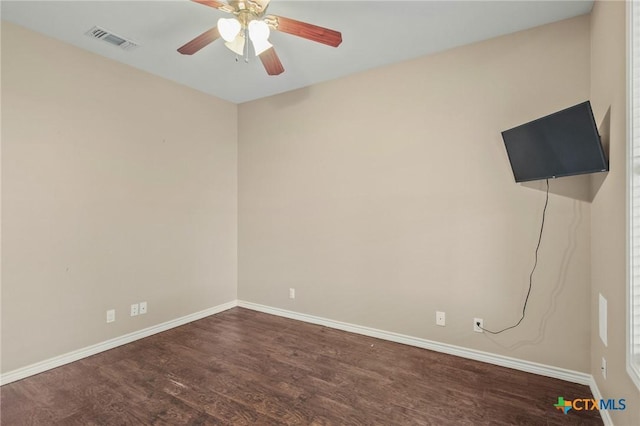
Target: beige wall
(608,223)
(385,196)
(380,197)
(117,187)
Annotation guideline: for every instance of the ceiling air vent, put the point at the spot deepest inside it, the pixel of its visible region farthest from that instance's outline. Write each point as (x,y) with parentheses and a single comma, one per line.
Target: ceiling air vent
(111,38)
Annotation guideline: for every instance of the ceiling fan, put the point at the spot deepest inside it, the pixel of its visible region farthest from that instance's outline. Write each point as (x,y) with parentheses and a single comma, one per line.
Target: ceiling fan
(250,21)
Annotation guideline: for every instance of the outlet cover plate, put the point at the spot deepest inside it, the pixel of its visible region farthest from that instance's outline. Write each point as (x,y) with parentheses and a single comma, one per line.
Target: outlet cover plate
(475,325)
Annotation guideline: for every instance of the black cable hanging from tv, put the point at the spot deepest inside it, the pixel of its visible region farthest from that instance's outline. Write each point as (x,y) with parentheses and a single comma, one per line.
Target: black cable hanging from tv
(535,264)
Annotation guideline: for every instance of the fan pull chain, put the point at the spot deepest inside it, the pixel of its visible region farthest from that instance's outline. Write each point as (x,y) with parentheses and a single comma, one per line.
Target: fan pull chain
(246,45)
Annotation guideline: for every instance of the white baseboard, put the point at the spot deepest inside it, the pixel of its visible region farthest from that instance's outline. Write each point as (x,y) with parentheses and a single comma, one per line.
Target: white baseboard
(57,361)
(501,360)
(606,417)
(504,361)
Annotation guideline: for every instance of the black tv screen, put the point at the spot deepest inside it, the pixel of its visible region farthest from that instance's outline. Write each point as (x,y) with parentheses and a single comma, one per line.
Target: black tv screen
(564,143)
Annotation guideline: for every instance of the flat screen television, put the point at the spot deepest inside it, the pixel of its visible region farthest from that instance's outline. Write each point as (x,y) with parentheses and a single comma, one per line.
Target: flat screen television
(564,143)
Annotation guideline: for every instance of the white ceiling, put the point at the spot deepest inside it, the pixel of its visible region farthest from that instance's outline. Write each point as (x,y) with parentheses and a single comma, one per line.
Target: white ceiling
(374,33)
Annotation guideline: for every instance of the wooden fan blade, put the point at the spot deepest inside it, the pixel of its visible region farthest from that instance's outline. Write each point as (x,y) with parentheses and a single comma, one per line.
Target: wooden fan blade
(308,31)
(271,62)
(216,5)
(199,42)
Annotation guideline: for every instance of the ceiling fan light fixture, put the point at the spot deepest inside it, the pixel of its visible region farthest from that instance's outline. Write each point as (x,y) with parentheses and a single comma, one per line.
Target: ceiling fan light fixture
(229,28)
(236,45)
(258,30)
(259,34)
(261,45)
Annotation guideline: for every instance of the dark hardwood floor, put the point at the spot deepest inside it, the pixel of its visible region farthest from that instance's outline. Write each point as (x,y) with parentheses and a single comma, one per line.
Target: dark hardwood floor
(244,367)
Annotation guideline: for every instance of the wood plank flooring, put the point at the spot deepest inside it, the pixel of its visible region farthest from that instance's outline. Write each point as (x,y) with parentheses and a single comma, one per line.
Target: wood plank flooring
(244,367)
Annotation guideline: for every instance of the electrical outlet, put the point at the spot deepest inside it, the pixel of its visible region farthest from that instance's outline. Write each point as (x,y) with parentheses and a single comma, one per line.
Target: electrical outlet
(134,309)
(477,325)
(111,315)
(603,368)
(440,318)
(292,293)
(143,308)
